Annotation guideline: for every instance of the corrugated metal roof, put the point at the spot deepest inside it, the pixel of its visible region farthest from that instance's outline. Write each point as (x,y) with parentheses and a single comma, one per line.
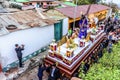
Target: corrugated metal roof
(3,30)
(8,19)
(24,20)
(54,14)
(69,11)
(2,10)
(3,23)
(30,16)
(12,9)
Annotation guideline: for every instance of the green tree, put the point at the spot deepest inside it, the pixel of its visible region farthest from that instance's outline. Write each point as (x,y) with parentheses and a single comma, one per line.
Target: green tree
(92,1)
(84,2)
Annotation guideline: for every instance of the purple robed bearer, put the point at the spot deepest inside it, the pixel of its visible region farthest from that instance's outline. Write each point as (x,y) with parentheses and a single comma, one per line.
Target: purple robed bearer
(83,22)
(83,27)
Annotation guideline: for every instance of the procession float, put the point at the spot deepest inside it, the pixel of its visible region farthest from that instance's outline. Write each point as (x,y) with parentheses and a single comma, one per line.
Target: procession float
(83,42)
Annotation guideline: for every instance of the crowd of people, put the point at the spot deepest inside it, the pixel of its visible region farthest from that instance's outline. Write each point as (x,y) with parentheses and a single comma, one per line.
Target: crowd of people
(112,27)
(112,30)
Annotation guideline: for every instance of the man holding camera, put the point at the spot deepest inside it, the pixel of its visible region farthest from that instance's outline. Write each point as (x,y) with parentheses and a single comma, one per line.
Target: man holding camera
(19,50)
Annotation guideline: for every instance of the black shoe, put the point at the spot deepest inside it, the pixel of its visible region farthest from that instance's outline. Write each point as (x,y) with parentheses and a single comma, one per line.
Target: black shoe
(21,66)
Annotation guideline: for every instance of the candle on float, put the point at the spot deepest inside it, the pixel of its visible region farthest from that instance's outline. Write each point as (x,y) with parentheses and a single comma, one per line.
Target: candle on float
(88,37)
(67,44)
(94,25)
(59,48)
(56,63)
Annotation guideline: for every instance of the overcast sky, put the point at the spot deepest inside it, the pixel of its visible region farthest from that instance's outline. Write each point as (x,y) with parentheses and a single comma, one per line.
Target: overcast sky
(114,1)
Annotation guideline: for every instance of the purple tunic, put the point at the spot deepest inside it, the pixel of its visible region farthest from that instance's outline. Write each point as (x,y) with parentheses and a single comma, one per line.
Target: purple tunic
(83,22)
(83,32)
(83,28)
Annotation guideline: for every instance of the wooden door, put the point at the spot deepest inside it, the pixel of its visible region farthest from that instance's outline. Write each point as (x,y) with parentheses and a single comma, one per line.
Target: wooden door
(58,31)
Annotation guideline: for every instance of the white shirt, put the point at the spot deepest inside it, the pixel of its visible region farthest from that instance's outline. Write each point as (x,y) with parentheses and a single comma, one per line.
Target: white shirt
(52,74)
(96,20)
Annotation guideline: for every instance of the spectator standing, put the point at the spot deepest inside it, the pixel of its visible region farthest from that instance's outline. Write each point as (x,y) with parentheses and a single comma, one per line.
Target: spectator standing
(100,50)
(109,47)
(19,50)
(86,67)
(40,71)
(110,36)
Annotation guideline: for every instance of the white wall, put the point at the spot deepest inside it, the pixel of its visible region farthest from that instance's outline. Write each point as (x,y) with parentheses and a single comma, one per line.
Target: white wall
(65,26)
(33,39)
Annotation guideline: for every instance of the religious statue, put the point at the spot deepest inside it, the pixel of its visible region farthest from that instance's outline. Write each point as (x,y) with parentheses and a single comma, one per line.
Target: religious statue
(83,22)
(70,43)
(75,34)
(59,50)
(83,32)
(94,22)
(88,37)
(83,27)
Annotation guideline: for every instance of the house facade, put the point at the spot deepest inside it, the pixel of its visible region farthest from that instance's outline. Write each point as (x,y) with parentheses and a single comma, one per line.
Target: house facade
(37,3)
(32,31)
(100,11)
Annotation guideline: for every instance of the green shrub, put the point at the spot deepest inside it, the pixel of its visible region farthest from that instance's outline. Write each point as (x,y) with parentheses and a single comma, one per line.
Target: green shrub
(108,67)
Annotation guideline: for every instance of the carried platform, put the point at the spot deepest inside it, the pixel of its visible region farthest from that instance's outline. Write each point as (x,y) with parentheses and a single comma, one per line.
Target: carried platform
(69,64)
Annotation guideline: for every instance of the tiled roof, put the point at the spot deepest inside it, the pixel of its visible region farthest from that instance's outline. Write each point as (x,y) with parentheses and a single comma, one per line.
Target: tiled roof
(69,3)
(69,11)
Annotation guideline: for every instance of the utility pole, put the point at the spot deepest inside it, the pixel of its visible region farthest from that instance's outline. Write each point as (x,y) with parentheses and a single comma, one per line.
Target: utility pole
(75,10)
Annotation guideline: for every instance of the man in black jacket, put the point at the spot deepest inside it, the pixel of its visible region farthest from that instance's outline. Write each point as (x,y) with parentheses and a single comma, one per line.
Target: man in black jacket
(18,50)
(86,67)
(54,73)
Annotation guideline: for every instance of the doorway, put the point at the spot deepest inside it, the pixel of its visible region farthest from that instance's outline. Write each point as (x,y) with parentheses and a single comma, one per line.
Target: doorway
(58,30)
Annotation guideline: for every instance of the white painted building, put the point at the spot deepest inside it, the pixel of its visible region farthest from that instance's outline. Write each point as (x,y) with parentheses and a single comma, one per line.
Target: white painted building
(33,38)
